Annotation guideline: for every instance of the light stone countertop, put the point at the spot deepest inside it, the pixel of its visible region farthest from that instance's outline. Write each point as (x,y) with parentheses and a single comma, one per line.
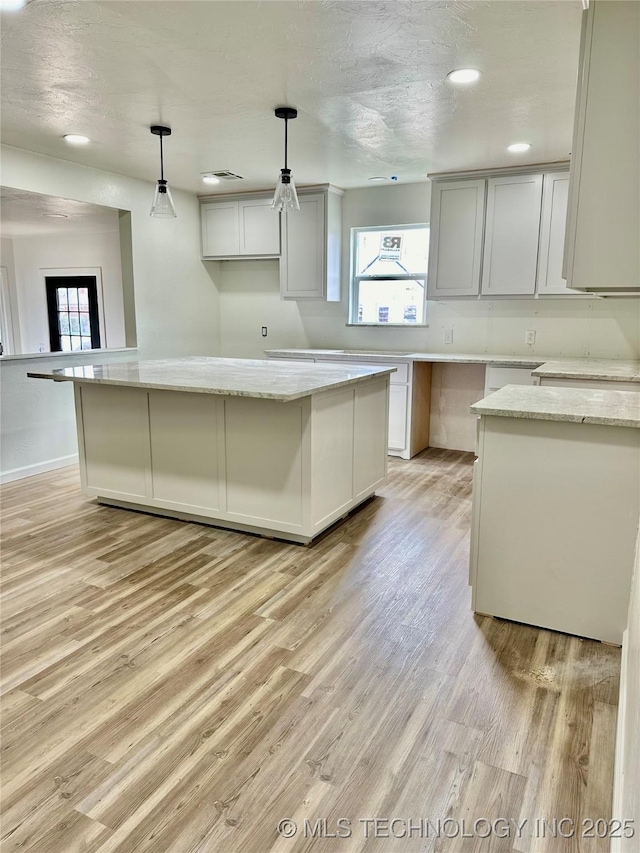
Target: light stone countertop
(588,406)
(397,355)
(608,369)
(568,368)
(234,377)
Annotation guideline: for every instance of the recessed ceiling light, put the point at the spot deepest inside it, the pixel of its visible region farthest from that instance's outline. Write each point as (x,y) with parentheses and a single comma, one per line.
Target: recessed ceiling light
(210,179)
(378,178)
(519,147)
(76,139)
(464,75)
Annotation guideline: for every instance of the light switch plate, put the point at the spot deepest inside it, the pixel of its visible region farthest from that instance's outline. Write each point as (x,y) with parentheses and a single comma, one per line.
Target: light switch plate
(448,336)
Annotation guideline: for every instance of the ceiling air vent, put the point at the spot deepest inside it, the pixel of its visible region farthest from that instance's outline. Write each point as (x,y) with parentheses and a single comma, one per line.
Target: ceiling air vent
(226,175)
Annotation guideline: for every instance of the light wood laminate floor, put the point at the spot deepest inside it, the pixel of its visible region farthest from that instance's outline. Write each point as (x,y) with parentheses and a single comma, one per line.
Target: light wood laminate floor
(174,687)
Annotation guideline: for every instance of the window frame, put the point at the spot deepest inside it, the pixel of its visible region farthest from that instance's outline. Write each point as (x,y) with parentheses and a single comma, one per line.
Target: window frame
(354,279)
(90,283)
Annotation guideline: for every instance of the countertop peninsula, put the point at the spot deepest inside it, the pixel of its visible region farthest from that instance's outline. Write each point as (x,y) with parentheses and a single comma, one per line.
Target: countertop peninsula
(589,406)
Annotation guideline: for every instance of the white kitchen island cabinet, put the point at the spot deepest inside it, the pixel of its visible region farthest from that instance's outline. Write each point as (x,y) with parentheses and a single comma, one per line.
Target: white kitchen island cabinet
(556,499)
(280,449)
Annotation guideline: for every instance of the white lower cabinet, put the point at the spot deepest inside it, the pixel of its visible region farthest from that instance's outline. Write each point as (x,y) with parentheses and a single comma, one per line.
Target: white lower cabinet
(555,521)
(398,399)
(409,401)
(497,377)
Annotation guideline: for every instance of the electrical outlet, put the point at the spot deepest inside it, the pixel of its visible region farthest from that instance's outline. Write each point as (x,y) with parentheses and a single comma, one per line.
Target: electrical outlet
(530,337)
(264,331)
(448,336)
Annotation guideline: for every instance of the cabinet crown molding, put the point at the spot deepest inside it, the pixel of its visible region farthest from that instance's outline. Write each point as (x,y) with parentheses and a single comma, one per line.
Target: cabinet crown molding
(497,171)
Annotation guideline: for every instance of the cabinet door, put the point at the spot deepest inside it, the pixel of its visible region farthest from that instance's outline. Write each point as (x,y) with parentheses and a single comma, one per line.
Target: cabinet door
(555,194)
(455,244)
(302,265)
(259,228)
(604,219)
(220,232)
(398,396)
(511,236)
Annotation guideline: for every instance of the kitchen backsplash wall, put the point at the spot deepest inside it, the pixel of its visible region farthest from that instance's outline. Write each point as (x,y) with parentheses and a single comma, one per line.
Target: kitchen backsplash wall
(574,326)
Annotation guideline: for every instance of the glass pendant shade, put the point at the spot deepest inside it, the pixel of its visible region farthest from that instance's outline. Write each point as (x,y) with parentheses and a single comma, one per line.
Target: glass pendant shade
(286,197)
(162,207)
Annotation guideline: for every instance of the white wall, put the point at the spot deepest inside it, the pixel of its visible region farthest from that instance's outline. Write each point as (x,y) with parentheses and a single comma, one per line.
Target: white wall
(176,299)
(573,326)
(33,255)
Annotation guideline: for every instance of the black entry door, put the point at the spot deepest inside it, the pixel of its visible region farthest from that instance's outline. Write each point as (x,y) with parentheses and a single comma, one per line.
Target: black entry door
(72,306)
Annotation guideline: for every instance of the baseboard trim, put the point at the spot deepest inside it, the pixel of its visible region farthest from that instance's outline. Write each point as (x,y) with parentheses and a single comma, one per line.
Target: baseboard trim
(618,767)
(39,468)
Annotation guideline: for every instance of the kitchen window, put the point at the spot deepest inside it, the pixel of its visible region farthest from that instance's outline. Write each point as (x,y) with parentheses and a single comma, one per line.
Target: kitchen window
(389,275)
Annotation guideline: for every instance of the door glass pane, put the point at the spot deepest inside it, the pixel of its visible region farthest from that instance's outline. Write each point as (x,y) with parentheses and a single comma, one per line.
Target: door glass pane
(85,325)
(62,297)
(74,320)
(83,298)
(73,298)
(76,342)
(66,343)
(86,343)
(63,323)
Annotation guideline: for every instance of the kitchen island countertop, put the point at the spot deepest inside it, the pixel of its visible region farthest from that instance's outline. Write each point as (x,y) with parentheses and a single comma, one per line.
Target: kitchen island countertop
(233,377)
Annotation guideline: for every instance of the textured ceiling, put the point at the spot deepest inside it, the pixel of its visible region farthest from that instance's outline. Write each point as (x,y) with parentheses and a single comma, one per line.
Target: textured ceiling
(368,79)
(24,214)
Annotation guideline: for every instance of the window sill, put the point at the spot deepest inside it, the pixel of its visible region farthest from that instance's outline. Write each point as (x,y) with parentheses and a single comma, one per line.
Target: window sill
(389,325)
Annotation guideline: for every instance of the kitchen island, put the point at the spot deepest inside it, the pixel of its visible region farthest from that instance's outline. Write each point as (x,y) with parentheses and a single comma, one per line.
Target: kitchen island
(278,449)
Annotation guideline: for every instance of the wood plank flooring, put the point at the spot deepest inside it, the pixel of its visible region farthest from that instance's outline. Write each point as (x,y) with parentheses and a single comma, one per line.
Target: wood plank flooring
(173,687)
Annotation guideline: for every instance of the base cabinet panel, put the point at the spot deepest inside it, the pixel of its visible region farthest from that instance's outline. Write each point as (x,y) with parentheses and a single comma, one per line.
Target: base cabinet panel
(370,451)
(184,449)
(555,524)
(264,466)
(115,444)
(398,398)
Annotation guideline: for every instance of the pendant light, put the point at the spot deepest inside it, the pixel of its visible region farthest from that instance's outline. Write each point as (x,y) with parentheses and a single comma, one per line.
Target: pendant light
(286,197)
(162,207)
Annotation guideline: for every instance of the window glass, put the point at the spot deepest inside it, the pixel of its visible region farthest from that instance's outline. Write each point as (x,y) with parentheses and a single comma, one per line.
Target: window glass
(389,275)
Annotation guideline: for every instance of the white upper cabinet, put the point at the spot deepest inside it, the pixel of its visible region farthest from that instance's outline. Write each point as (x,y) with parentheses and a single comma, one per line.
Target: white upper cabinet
(259,227)
(511,235)
(246,227)
(602,248)
(555,193)
(311,239)
(455,248)
(220,229)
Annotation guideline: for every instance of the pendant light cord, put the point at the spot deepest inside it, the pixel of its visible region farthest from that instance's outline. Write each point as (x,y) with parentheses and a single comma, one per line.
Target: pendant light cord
(286,140)
(161,160)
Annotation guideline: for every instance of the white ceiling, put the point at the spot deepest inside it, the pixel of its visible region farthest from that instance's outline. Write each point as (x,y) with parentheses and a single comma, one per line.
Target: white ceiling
(24,214)
(368,79)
